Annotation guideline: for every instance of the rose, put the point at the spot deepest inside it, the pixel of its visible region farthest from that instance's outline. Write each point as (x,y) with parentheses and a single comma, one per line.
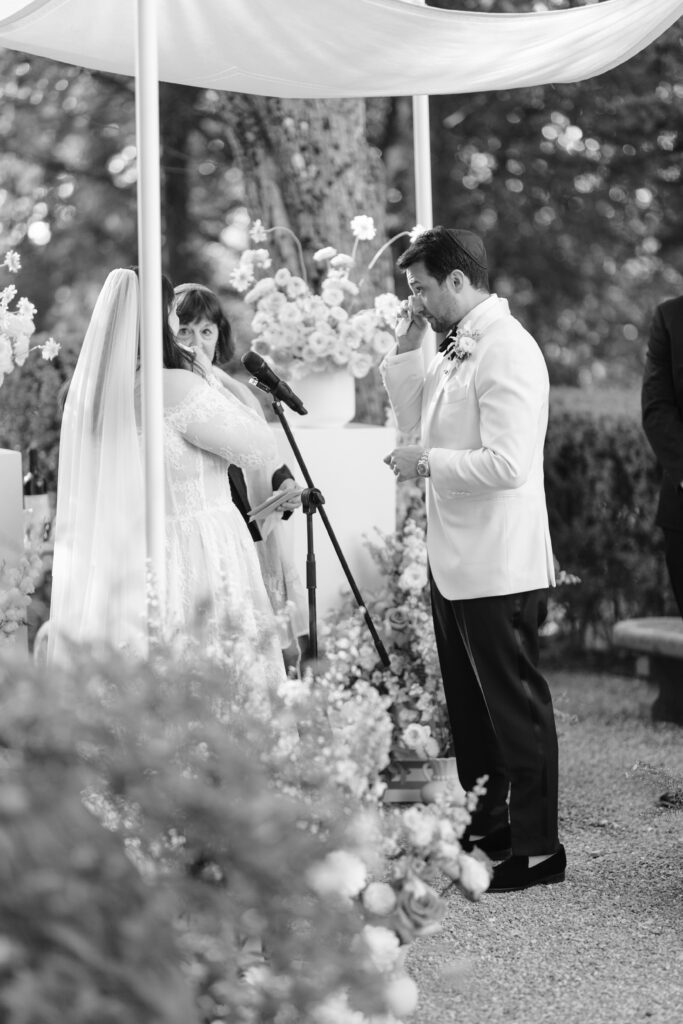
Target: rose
(420,910)
(398,620)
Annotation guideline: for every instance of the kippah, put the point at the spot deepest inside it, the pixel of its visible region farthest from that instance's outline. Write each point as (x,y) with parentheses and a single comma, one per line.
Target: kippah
(470,244)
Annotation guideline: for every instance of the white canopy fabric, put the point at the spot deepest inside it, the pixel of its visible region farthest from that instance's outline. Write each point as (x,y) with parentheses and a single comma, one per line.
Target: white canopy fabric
(341,48)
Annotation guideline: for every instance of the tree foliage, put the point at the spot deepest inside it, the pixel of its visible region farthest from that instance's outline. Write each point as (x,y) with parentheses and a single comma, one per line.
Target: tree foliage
(575,189)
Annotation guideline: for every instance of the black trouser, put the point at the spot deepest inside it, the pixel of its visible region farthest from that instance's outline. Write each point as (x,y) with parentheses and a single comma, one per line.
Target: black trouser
(673,552)
(501,712)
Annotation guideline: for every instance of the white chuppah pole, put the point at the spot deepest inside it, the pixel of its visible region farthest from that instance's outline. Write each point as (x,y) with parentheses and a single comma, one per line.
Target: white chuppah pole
(149,258)
(424,213)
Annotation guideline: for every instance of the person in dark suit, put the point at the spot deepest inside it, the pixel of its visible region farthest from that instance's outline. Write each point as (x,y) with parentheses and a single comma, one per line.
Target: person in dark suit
(662,411)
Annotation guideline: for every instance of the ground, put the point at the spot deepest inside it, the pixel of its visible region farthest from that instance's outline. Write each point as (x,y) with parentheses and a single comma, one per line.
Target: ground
(606,946)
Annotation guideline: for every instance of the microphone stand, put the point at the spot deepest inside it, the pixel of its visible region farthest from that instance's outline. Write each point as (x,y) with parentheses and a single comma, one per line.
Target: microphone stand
(312,501)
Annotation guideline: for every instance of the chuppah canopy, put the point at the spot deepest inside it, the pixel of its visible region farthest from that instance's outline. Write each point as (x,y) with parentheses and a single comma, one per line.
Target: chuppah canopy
(341,48)
(305,49)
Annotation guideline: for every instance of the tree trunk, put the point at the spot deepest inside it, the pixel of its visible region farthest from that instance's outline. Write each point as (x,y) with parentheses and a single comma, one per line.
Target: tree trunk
(307,166)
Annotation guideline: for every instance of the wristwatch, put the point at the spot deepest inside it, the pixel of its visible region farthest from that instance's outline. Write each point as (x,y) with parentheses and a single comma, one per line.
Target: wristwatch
(423,463)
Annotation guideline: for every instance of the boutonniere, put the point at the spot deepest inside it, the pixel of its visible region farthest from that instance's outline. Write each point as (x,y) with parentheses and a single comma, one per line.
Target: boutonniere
(458,347)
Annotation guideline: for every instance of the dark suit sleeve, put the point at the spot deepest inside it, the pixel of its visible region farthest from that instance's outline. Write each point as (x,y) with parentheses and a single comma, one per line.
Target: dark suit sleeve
(662,421)
(279,477)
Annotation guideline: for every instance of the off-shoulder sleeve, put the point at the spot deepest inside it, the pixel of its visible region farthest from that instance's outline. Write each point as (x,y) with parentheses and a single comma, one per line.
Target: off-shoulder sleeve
(215,421)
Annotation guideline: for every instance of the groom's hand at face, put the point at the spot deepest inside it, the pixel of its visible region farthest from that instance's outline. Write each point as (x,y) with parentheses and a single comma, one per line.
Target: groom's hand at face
(412,325)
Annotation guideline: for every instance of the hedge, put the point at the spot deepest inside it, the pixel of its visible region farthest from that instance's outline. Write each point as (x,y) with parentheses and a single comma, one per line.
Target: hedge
(602,484)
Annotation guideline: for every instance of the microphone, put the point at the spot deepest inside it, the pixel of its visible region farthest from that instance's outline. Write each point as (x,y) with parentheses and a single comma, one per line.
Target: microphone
(268,380)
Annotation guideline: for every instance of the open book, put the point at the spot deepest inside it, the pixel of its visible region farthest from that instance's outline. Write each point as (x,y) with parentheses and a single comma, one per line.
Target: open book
(273,503)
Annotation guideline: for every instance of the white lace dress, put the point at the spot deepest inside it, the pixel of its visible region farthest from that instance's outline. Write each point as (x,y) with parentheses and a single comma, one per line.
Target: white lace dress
(214,588)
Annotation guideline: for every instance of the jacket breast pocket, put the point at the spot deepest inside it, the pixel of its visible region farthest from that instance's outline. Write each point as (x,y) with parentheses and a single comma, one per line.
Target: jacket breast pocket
(455,393)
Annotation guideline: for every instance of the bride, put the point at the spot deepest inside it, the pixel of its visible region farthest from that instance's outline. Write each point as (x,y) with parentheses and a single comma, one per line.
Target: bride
(214,592)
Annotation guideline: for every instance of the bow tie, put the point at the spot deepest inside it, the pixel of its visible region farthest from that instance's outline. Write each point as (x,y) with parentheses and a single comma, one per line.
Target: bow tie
(447,340)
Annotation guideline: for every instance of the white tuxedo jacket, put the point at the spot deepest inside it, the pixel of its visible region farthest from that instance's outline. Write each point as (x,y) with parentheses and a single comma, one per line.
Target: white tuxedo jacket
(485,422)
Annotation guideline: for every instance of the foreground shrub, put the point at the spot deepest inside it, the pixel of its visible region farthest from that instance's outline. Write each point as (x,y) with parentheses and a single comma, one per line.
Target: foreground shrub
(161,915)
(179,844)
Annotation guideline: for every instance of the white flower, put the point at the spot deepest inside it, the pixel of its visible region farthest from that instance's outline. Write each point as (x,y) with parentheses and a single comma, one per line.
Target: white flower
(12,261)
(16,325)
(6,360)
(326,253)
(296,287)
(466,343)
(416,232)
(363,228)
(332,295)
(360,364)
(431,747)
(341,261)
(50,349)
(420,825)
(379,898)
(26,308)
(415,736)
(383,946)
(258,975)
(21,346)
(319,343)
(383,342)
(401,995)
(336,1010)
(290,315)
(341,873)
(259,258)
(282,277)
(241,277)
(262,288)
(413,578)
(475,876)
(257,232)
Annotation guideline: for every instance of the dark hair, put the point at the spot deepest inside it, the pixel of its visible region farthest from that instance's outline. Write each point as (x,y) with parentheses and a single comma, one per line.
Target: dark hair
(197,302)
(174,357)
(443,250)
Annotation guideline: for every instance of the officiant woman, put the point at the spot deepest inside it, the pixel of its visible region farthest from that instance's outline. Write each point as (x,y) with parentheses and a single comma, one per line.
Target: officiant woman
(204,328)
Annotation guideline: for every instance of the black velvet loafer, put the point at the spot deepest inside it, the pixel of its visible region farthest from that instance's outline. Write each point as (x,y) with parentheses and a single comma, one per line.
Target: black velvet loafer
(497,844)
(515,873)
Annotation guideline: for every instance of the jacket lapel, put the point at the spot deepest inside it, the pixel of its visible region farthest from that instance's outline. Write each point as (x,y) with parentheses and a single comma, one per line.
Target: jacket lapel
(481,319)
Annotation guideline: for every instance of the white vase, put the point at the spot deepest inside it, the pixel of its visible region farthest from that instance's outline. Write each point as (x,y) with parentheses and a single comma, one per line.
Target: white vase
(442,773)
(329,397)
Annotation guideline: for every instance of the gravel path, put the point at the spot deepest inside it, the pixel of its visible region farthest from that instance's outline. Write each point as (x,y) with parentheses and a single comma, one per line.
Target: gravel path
(606,946)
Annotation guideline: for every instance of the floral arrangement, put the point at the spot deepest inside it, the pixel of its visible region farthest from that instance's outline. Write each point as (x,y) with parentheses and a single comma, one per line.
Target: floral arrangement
(300,332)
(16,325)
(419,844)
(461,345)
(412,682)
(17,584)
(178,804)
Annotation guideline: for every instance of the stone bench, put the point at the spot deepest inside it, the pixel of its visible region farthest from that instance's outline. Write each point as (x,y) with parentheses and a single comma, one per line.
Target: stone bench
(661,639)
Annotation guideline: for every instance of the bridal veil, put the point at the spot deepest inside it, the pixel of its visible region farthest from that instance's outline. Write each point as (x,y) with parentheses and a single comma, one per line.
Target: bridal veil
(99,571)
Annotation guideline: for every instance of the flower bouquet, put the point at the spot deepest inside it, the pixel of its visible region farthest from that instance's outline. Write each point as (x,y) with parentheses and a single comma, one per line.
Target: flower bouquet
(301,332)
(16,325)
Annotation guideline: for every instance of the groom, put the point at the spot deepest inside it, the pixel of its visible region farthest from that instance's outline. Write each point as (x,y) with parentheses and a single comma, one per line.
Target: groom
(481,409)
